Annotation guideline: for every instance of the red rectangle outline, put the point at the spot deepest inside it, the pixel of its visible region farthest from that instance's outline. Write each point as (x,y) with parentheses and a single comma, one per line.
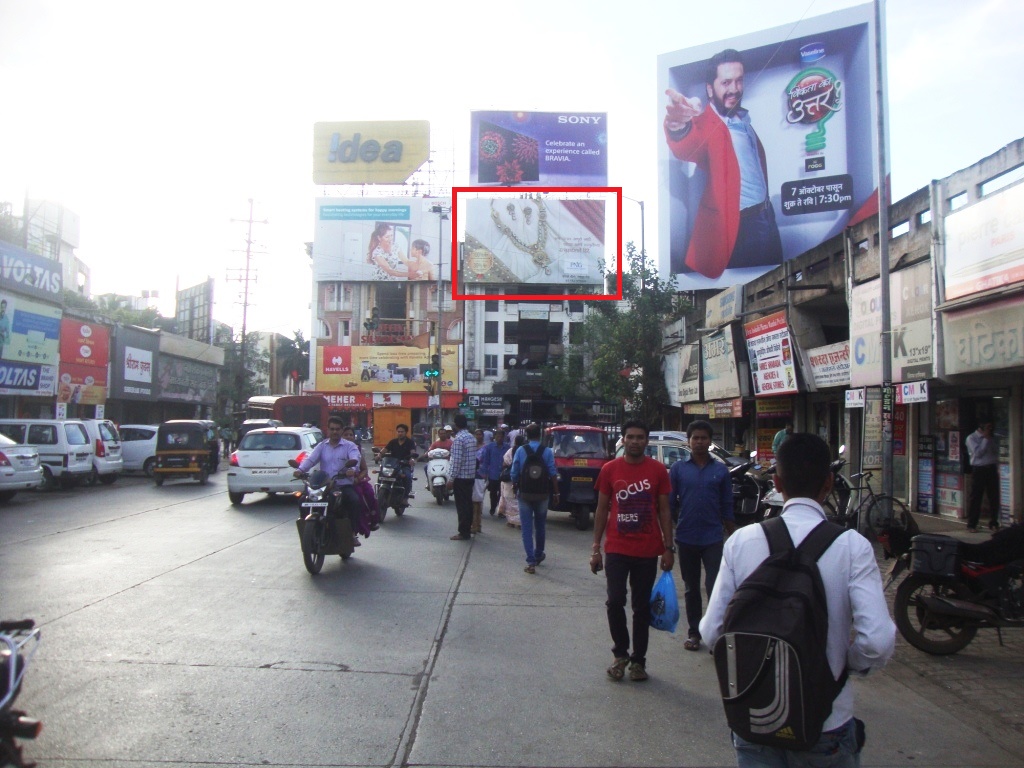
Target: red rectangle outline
(617,296)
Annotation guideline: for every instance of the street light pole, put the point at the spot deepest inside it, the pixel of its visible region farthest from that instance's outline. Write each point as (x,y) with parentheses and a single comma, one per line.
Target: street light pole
(442,212)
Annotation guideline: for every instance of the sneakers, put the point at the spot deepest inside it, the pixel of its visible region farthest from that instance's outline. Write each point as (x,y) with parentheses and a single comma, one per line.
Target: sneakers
(618,668)
(541,557)
(637,673)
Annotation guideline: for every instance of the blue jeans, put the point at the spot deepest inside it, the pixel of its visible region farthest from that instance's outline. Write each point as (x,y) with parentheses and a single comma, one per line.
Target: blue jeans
(533,515)
(835,749)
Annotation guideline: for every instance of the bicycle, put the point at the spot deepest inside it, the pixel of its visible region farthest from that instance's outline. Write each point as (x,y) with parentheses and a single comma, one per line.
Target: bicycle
(874,512)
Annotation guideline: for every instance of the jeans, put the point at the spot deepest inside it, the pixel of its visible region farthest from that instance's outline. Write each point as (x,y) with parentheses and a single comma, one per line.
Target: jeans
(533,516)
(346,504)
(691,557)
(835,749)
(757,241)
(640,573)
(462,489)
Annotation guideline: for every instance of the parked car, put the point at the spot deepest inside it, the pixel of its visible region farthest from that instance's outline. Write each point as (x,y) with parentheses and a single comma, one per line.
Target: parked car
(669,447)
(20,469)
(107,462)
(260,463)
(65,450)
(138,447)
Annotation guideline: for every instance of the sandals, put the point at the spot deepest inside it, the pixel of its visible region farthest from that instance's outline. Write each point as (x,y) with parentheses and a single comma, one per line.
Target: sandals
(692,643)
(618,668)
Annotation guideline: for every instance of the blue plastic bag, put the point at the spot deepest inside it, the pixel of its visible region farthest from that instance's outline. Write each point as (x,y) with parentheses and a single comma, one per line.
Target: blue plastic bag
(665,603)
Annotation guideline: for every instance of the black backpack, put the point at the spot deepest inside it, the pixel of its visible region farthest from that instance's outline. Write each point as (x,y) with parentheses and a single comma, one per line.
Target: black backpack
(534,478)
(771,660)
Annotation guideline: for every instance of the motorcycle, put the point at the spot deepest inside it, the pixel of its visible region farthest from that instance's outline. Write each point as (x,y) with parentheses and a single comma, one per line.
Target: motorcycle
(320,533)
(19,641)
(748,491)
(955,588)
(391,488)
(438,461)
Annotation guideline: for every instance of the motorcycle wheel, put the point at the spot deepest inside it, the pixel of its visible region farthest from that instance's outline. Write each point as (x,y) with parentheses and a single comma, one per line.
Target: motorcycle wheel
(400,509)
(204,475)
(313,562)
(439,495)
(581,514)
(382,503)
(937,635)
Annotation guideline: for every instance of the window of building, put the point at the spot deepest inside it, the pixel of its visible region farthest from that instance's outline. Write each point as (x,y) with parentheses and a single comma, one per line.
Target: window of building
(554,333)
(575,306)
(491,332)
(575,333)
(512,332)
(490,365)
(391,301)
(490,306)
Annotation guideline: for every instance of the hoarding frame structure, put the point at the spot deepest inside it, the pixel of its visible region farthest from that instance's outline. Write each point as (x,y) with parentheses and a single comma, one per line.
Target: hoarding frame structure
(581,192)
(829,49)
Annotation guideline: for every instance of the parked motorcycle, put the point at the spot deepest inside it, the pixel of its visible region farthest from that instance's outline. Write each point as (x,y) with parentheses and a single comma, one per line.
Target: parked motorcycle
(19,641)
(438,461)
(955,588)
(391,486)
(320,533)
(748,490)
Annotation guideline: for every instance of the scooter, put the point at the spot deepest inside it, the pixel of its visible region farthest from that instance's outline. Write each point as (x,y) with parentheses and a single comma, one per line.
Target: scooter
(320,533)
(438,461)
(19,641)
(391,486)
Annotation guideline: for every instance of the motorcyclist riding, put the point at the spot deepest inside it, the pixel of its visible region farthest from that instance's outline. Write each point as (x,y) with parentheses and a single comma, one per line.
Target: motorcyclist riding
(444,440)
(404,449)
(332,454)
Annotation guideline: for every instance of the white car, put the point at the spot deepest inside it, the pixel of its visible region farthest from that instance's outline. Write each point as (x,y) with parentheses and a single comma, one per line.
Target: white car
(260,463)
(19,468)
(138,447)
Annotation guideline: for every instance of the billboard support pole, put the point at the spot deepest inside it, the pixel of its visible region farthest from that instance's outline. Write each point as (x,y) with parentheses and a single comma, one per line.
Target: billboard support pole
(442,215)
(888,398)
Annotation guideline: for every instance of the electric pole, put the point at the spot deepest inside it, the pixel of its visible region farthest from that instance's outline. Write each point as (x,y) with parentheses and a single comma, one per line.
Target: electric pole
(244,276)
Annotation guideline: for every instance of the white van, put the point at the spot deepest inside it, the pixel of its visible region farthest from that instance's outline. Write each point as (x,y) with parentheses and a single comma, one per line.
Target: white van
(65,449)
(107,461)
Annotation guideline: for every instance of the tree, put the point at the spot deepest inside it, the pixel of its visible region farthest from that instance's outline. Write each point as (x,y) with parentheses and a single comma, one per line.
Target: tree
(238,382)
(619,358)
(293,355)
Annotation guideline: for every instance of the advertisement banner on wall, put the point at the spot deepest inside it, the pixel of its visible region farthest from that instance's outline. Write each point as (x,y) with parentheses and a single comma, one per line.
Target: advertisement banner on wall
(771,355)
(720,373)
(84,343)
(805,168)
(375,152)
(830,365)
(29,274)
(534,240)
(134,364)
(187,381)
(724,307)
(689,372)
(375,239)
(85,384)
(559,149)
(865,335)
(27,379)
(983,244)
(381,369)
(29,331)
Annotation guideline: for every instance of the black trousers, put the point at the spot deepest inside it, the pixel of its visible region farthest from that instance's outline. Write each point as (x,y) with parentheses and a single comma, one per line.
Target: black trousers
(494,489)
(463,492)
(640,574)
(984,480)
(691,558)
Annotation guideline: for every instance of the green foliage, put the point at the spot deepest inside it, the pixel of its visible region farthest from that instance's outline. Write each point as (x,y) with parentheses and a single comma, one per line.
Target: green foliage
(239,377)
(293,355)
(620,358)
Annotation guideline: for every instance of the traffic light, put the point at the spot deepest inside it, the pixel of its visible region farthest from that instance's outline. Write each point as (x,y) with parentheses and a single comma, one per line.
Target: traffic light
(434,371)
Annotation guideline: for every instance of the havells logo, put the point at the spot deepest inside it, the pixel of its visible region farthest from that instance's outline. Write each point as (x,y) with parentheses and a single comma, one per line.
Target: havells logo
(337,360)
(812,52)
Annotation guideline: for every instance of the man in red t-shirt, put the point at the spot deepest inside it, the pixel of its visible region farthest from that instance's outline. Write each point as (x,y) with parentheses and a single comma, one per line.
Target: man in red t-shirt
(633,509)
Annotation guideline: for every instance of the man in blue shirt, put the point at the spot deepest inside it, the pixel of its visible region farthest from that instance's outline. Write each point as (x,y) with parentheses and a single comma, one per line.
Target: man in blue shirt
(533,506)
(702,500)
(491,463)
(332,454)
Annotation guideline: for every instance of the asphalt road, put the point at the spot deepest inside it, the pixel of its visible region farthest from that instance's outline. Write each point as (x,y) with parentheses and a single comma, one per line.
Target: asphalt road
(181,631)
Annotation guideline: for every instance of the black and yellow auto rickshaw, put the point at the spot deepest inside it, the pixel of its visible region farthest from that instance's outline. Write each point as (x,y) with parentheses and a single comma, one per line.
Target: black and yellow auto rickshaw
(182,450)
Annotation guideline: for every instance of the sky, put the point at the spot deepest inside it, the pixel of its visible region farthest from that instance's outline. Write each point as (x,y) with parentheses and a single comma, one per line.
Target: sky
(157,122)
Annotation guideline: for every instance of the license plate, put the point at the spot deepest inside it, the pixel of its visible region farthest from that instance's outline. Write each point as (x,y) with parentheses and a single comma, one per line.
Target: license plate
(579,462)
(315,505)
(26,463)
(264,471)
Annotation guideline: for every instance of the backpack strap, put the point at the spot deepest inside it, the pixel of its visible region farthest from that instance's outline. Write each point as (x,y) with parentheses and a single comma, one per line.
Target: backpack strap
(777,533)
(819,539)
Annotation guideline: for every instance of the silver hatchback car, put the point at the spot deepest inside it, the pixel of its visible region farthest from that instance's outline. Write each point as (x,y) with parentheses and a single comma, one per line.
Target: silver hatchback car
(20,469)
(260,463)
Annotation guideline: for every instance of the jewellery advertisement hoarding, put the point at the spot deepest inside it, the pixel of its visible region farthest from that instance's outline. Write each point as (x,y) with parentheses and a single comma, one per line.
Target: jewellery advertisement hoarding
(568,149)
(374,239)
(768,147)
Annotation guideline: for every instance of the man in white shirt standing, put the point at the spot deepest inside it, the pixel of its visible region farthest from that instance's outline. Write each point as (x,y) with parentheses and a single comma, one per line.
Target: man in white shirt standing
(984,454)
(861,636)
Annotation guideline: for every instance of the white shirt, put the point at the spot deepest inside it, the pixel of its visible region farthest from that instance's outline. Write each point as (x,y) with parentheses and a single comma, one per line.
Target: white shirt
(861,636)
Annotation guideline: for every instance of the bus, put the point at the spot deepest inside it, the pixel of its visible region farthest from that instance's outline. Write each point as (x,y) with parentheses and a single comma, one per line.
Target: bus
(292,410)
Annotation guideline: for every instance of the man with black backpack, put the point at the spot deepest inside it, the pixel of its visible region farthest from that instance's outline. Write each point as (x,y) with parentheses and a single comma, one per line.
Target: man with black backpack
(535,477)
(796,609)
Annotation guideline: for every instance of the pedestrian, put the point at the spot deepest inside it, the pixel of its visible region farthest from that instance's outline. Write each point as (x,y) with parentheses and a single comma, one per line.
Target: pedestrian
(461,472)
(780,437)
(861,636)
(533,471)
(984,455)
(479,481)
(491,458)
(508,506)
(702,501)
(634,519)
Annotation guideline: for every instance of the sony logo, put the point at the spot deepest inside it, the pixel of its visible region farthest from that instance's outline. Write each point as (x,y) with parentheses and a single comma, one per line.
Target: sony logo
(579,119)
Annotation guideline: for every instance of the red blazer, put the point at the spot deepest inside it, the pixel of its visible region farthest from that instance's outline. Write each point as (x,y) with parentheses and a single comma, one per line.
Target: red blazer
(709,146)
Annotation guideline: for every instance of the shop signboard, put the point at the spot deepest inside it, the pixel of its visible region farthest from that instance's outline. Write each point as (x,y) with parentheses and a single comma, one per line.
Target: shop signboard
(911,322)
(830,365)
(563,149)
(381,239)
(926,473)
(187,381)
(29,331)
(29,274)
(672,377)
(84,343)
(27,378)
(809,98)
(770,349)
(872,458)
(726,409)
(986,338)
(720,372)
(912,392)
(134,364)
(724,307)
(770,407)
(369,152)
(85,384)
(362,401)
(983,244)
(855,398)
(390,369)
(689,373)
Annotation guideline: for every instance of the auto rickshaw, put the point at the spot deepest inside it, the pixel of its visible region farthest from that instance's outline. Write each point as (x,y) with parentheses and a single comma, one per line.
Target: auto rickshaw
(579,452)
(182,450)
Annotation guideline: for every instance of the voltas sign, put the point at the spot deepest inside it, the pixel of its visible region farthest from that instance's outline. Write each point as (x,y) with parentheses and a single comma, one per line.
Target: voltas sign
(381,152)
